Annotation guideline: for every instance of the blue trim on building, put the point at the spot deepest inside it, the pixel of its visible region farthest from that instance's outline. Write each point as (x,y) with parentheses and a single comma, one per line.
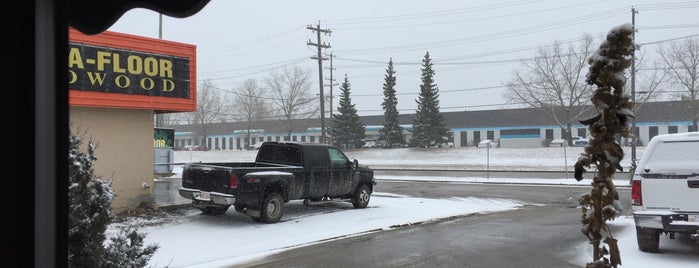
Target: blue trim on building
(519,127)
(682,123)
(521,136)
(252,131)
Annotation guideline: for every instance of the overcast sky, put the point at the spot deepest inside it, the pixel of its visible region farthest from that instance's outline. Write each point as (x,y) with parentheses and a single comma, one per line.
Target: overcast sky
(474,45)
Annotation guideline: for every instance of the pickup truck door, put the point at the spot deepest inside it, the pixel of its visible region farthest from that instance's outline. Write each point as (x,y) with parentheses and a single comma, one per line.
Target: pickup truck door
(319,173)
(342,173)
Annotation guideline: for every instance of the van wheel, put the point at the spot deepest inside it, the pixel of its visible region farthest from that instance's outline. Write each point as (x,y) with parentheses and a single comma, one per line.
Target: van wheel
(214,210)
(361,197)
(648,239)
(271,210)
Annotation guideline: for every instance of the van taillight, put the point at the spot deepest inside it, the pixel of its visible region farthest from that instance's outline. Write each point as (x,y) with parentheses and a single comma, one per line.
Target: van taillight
(636,197)
(233,181)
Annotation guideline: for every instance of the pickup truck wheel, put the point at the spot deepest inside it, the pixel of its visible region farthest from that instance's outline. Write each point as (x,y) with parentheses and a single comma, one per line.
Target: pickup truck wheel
(648,239)
(271,210)
(214,210)
(361,197)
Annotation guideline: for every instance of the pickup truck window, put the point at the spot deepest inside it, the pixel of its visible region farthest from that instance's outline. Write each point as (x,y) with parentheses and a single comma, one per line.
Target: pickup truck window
(280,154)
(670,152)
(317,158)
(337,158)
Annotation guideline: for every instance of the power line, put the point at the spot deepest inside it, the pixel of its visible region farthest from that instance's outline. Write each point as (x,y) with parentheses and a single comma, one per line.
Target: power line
(254,42)
(451,22)
(490,36)
(268,66)
(665,6)
(440,13)
(671,26)
(669,40)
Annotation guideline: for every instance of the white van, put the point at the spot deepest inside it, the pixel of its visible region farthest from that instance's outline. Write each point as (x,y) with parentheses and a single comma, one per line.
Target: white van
(665,190)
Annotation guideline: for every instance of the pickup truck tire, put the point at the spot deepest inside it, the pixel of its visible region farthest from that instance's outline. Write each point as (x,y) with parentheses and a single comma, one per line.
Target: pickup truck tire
(361,197)
(214,210)
(648,239)
(271,210)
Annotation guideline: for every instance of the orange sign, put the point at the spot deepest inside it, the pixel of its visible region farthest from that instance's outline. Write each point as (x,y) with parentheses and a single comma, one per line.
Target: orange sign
(126,71)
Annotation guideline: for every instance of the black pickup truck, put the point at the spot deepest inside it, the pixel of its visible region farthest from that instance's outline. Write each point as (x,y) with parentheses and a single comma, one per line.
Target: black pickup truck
(282,171)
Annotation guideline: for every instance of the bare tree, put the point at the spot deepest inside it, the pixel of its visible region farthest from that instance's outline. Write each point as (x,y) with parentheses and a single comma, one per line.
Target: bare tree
(173,119)
(250,106)
(681,60)
(291,93)
(554,81)
(210,109)
(650,79)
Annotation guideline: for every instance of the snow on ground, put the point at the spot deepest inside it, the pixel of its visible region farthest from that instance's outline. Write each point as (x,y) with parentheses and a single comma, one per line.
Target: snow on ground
(545,158)
(184,244)
(199,241)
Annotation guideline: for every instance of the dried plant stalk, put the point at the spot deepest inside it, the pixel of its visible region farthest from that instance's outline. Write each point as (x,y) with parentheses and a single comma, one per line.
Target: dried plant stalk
(614,107)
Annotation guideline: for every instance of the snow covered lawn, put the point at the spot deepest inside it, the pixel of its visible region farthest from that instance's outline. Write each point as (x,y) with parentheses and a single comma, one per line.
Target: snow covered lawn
(385,211)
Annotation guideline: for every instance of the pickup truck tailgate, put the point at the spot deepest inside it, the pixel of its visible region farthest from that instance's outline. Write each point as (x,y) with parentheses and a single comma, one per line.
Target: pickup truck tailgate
(206,178)
(671,192)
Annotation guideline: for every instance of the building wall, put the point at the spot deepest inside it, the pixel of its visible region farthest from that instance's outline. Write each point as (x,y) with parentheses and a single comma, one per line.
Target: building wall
(466,137)
(519,135)
(125,154)
(520,143)
(238,141)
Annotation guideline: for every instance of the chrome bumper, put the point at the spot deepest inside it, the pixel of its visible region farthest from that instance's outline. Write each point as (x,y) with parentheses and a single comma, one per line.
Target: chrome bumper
(667,221)
(207,197)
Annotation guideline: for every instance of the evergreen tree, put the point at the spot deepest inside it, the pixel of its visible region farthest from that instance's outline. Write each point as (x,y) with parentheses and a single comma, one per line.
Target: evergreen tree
(127,250)
(90,200)
(391,134)
(428,124)
(347,130)
(89,208)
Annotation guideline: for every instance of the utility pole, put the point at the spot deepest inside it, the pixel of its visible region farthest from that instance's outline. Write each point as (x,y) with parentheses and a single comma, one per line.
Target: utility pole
(331,84)
(160,118)
(160,26)
(633,86)
(320,59)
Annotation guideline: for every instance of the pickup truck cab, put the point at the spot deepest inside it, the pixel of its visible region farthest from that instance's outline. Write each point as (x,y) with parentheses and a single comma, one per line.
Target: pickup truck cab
(665,190)
(282,171)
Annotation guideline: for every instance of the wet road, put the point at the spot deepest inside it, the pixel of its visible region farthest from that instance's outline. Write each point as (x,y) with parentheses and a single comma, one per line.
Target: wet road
(568,175)
(543,234)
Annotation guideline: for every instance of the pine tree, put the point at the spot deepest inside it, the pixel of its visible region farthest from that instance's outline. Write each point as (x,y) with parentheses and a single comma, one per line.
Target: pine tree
(89,214)
(89,208)
(391,134)
(347,130)
(127,250)
(428,124)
